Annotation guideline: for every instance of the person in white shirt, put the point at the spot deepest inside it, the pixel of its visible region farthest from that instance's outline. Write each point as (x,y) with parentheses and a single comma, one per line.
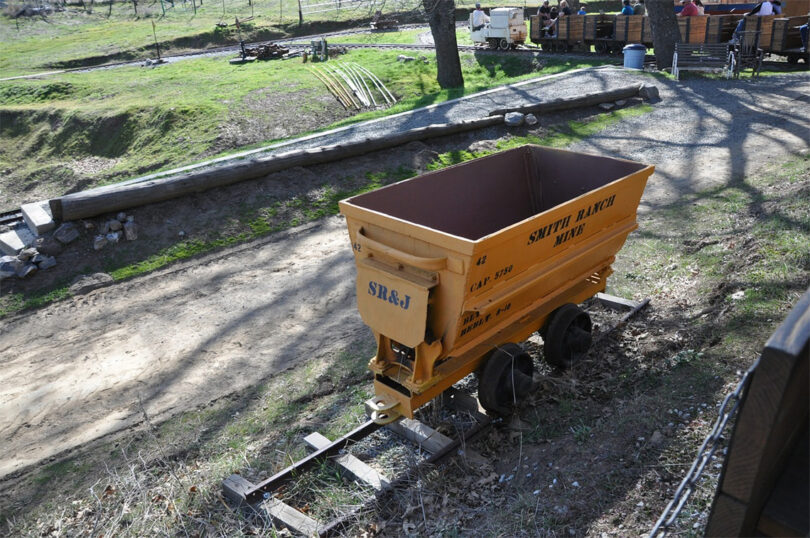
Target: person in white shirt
(479,18)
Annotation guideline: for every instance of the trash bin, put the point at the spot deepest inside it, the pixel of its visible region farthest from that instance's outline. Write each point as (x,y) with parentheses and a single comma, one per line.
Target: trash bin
(634,56)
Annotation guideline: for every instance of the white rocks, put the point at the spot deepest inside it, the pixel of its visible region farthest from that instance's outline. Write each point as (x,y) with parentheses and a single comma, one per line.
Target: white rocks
(66,233)
(9,265)
(607,106)
(37,217)
(121,216)
(513,119)
(621,102)
(115,225)
(14,241)
(99,242)
(657,438)
(84,284)
(531,119)
(113,237)
(130,230)
(737,295)
(26,254)
(26,270)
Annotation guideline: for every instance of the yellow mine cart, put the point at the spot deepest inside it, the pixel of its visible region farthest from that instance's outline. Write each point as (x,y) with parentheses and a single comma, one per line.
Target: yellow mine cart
(455,267)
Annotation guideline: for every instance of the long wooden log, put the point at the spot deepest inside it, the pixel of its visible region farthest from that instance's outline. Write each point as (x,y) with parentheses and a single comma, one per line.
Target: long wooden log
(117,197)
(589,99)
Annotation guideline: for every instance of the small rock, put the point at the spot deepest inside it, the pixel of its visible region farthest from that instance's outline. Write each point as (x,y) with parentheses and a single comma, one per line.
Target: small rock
(131,218)
(130,230)
(513,119)
(656,438)
(39,258)
(536,492)
(104,229)
(66,233)
(621,102)
(531,119)
(26,254)
(47,262)
(48,246)
(606,106)
(649,92)
(88,225)
(113,237)
(86,283)
(26,270)
(181,233)
(99,242)
(9,265)
(575,484)
(115,225)
(122,217)
(403,58)
(737,295)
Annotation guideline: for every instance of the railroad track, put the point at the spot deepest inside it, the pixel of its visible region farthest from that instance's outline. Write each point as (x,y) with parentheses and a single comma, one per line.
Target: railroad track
(11,218)
(269,500)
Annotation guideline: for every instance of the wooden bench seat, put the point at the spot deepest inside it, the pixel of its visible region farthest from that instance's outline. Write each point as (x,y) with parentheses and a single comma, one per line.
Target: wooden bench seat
(700,57)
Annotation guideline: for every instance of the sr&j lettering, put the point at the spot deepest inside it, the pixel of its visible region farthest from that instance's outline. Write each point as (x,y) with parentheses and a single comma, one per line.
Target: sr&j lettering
(383,293)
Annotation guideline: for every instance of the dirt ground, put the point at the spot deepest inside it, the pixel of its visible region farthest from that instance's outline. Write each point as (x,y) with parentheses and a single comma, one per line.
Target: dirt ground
(177,338)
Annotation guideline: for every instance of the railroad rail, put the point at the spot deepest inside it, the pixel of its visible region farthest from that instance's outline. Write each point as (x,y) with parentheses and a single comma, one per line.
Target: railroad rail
(11,218)
(263,499)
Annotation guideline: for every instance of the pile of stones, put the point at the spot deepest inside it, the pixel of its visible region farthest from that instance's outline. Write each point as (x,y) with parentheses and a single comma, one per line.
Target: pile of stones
(111,231)
(40,255)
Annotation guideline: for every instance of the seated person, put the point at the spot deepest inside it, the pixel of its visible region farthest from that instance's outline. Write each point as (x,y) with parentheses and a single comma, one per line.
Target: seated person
(564,9)
(804,29)
(763,8)
(479,18)
(689,9)
(627,9)
(639,8)
(545,13)
(582,10)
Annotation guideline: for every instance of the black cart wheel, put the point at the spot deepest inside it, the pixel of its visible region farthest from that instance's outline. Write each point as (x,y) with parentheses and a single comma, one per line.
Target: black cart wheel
(505,379)
(493,43)
(792,59)
(503,44)
(567,336)
(600,47)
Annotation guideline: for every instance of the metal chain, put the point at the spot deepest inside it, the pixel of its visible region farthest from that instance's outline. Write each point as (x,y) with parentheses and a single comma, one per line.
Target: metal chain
(710,445)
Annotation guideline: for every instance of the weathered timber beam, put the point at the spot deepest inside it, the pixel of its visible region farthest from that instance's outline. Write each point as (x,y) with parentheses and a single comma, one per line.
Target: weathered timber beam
(589,99)
(118,197)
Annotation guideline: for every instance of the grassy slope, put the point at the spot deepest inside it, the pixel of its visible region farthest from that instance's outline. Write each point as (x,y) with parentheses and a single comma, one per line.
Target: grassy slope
(754,236)
(118,115)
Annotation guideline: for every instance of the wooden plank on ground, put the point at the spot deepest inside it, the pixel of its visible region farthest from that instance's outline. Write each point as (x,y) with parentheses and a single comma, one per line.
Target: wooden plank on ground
(234,488)
(352,465)
(421,434)
(618,303)
(284,514)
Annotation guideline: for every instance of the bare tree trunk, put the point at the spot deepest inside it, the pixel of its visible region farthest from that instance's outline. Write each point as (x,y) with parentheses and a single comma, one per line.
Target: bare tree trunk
(109,11)
(665,30)
(441,16)
(135,6)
